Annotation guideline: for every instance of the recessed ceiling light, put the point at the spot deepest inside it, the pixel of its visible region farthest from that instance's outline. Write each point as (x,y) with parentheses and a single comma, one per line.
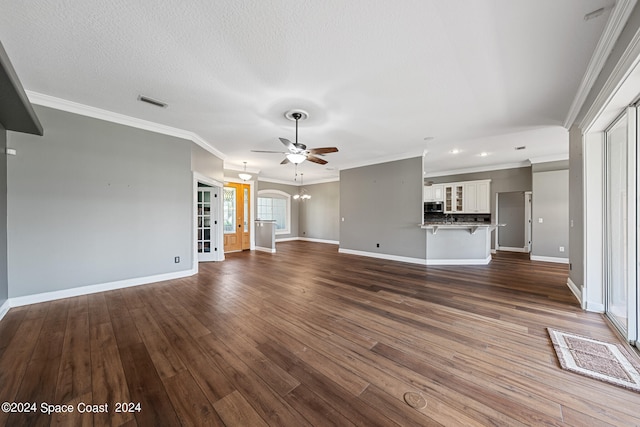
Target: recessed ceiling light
(429,138)
(484,154)
(522,147)
(455,151)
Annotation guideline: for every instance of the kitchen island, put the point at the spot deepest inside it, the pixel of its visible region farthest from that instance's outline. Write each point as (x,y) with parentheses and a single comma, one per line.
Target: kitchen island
(458,243)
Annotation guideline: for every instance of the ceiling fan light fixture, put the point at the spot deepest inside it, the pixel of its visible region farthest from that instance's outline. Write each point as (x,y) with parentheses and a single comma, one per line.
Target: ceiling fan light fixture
(296,158)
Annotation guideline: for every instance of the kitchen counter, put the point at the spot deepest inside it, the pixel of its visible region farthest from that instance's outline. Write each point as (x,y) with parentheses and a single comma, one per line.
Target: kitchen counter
(460,243)
(471,226)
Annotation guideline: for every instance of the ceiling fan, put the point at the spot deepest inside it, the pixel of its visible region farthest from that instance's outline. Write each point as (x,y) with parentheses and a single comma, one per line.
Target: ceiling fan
(298,152)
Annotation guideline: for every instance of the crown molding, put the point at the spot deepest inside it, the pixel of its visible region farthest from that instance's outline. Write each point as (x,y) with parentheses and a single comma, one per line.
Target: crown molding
(623,72)
(386,159)
(488,168)
(615,24)
(121,119)
(296,184)
(549,158)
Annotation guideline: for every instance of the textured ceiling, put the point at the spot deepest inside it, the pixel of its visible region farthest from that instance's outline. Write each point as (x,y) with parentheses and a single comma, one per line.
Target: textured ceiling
(376,77)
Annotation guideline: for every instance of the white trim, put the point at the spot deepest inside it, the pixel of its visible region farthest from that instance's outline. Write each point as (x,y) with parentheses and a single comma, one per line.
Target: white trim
(311,239)
(576,291)
(386,159)
(550,158)
(295,184)
(479,169)
(595,117)
(509,249)
(493,251)
(614,26)
(594,307)
(286,197)
(92,289)
(286,239)
(557,260)
(110,116)
(198,177)
(261,249)
(383,256)
(485,261)
(4,308)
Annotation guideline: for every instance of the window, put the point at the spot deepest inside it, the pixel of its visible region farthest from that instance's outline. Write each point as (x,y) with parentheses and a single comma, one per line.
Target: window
(275,205)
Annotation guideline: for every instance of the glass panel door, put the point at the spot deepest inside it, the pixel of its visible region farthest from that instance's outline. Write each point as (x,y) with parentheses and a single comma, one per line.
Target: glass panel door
(206,224)
(616,231)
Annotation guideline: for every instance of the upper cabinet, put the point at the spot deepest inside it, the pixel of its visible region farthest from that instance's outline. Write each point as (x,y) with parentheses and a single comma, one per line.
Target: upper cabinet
(454,198)
(477,197)
(434,193)
(461,197)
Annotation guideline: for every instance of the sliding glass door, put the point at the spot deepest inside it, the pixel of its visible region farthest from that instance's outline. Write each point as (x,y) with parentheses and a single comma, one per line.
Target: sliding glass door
(621,225)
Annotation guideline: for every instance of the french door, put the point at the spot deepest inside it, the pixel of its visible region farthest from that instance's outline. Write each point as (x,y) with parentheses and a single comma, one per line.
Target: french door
(621,225)
(237,208)
(207,223)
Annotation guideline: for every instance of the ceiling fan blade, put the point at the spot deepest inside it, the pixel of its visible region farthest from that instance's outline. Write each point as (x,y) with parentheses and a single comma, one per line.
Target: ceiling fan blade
(317,160)
(268,151)
(285,161)
(323,150)
(290,145)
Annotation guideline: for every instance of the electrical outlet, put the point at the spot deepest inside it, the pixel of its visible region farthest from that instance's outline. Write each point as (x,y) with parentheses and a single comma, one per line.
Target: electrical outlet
(176,259)
(540,220)
(561,249)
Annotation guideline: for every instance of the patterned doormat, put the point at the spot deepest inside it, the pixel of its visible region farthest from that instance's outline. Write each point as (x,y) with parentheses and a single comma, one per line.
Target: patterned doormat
(607,362)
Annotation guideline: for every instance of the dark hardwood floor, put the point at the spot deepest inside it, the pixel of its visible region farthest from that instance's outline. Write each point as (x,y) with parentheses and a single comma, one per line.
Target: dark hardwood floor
(308,336)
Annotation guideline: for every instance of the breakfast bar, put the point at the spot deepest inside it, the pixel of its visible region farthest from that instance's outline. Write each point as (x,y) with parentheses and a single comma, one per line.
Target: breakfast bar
(458,243)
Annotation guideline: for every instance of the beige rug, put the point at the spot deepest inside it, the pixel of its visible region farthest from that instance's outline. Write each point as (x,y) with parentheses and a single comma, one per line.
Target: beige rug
(607,362)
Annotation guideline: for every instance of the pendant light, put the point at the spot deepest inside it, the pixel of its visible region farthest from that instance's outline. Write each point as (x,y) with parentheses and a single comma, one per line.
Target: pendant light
(244,175)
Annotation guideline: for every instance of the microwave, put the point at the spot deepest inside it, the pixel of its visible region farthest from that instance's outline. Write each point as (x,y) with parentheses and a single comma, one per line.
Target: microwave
(431,207)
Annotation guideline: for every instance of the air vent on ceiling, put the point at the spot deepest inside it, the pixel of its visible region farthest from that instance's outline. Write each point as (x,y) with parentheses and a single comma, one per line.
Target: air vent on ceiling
(152,101)
(522,147)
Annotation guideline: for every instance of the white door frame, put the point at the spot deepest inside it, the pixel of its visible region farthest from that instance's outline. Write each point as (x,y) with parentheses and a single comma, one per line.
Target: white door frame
(198,177)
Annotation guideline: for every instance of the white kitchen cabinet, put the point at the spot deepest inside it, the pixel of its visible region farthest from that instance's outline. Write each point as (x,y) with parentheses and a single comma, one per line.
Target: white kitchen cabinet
(454,198)
(434,193)
(477,197)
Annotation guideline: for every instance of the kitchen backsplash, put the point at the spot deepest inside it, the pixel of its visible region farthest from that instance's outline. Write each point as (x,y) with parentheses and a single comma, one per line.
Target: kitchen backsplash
(441,218)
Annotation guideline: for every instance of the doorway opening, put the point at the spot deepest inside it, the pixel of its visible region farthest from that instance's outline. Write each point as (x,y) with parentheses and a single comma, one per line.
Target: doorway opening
(514,210)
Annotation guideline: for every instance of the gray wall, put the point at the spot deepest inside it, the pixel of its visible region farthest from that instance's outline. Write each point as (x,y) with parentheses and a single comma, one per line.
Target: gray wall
(383,204)
(511,211)
(576,224)
(551,203)
(206,163)
(295,205)
(4,284)
(320,215)
(502,181)
(93,202)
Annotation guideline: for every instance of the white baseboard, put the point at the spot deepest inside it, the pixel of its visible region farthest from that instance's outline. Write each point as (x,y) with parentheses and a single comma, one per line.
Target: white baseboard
(550,259)
(92,289)
(509,249)
(459,261)
(287,239)
(576,291)
(383,256)
(311,239)
(262,249)
(594,307)
(4,308)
